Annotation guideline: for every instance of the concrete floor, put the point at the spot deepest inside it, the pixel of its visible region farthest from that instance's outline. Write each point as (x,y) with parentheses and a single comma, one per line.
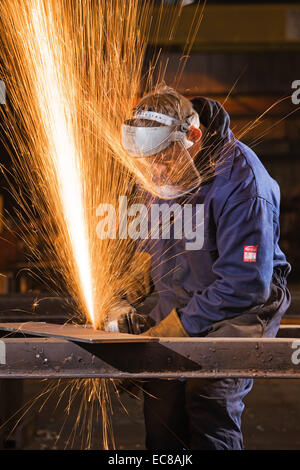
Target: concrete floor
(271,419)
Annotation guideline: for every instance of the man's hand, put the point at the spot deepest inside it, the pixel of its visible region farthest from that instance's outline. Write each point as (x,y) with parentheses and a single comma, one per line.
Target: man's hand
(123,318)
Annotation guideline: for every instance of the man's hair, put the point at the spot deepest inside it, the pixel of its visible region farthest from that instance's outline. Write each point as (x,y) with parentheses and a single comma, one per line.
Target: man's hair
(163,100)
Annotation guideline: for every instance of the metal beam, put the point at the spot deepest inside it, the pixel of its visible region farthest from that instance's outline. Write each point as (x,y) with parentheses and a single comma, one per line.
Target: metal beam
(78,333)
(168,358)
(86,334)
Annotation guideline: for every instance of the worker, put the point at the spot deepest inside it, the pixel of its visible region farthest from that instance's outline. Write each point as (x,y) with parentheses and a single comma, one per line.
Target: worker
(235,285)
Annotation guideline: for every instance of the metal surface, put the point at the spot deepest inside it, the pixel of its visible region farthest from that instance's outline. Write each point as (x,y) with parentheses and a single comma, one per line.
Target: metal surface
(76,333)
(168,358)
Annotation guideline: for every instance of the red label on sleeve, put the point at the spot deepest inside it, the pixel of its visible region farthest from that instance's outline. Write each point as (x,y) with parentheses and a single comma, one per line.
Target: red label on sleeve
(250,252)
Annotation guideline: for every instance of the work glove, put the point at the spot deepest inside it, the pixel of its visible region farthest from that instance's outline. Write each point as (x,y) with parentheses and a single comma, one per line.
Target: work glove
(123,318)
(170,326)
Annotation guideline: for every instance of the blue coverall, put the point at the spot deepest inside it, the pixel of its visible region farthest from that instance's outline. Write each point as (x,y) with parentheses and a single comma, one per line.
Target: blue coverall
(218,290)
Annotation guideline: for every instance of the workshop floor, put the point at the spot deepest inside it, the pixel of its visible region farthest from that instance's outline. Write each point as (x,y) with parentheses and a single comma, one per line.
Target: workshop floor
(271,419)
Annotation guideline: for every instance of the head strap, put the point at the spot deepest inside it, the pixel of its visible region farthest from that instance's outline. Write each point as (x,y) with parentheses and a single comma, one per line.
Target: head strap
(161,118)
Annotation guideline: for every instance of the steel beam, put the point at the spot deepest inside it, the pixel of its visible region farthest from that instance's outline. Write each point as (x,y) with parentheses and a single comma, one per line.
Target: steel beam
(86,334)
(79,333)
(169,358)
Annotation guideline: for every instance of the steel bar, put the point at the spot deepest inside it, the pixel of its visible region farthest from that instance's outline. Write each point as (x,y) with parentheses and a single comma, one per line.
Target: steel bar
(77,333)
(168,358)
(86,334)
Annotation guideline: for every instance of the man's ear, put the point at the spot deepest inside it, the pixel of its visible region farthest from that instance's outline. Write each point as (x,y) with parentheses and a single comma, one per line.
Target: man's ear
(194,134)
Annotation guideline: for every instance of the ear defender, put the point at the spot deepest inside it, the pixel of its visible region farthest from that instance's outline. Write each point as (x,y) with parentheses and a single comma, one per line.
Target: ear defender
(194,134)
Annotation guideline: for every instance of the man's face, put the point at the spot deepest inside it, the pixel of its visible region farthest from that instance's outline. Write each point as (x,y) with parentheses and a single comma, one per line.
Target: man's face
(173,166)
(171,171)
(162,164)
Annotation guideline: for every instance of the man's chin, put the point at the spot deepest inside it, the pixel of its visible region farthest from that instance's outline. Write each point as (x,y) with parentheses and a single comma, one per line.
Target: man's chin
(168,191)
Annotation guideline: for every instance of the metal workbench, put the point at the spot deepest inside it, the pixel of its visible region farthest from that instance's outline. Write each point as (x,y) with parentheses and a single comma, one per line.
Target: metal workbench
(39,350)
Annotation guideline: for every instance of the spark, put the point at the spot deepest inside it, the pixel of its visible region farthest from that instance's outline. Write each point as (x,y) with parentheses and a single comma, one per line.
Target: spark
(73,71)
(63,152)
(63,64)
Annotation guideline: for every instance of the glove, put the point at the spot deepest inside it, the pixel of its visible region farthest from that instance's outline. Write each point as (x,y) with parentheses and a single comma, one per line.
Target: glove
(170,326)
(123,318)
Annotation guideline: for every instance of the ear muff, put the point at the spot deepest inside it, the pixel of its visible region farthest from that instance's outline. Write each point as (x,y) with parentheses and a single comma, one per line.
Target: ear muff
(194,134)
